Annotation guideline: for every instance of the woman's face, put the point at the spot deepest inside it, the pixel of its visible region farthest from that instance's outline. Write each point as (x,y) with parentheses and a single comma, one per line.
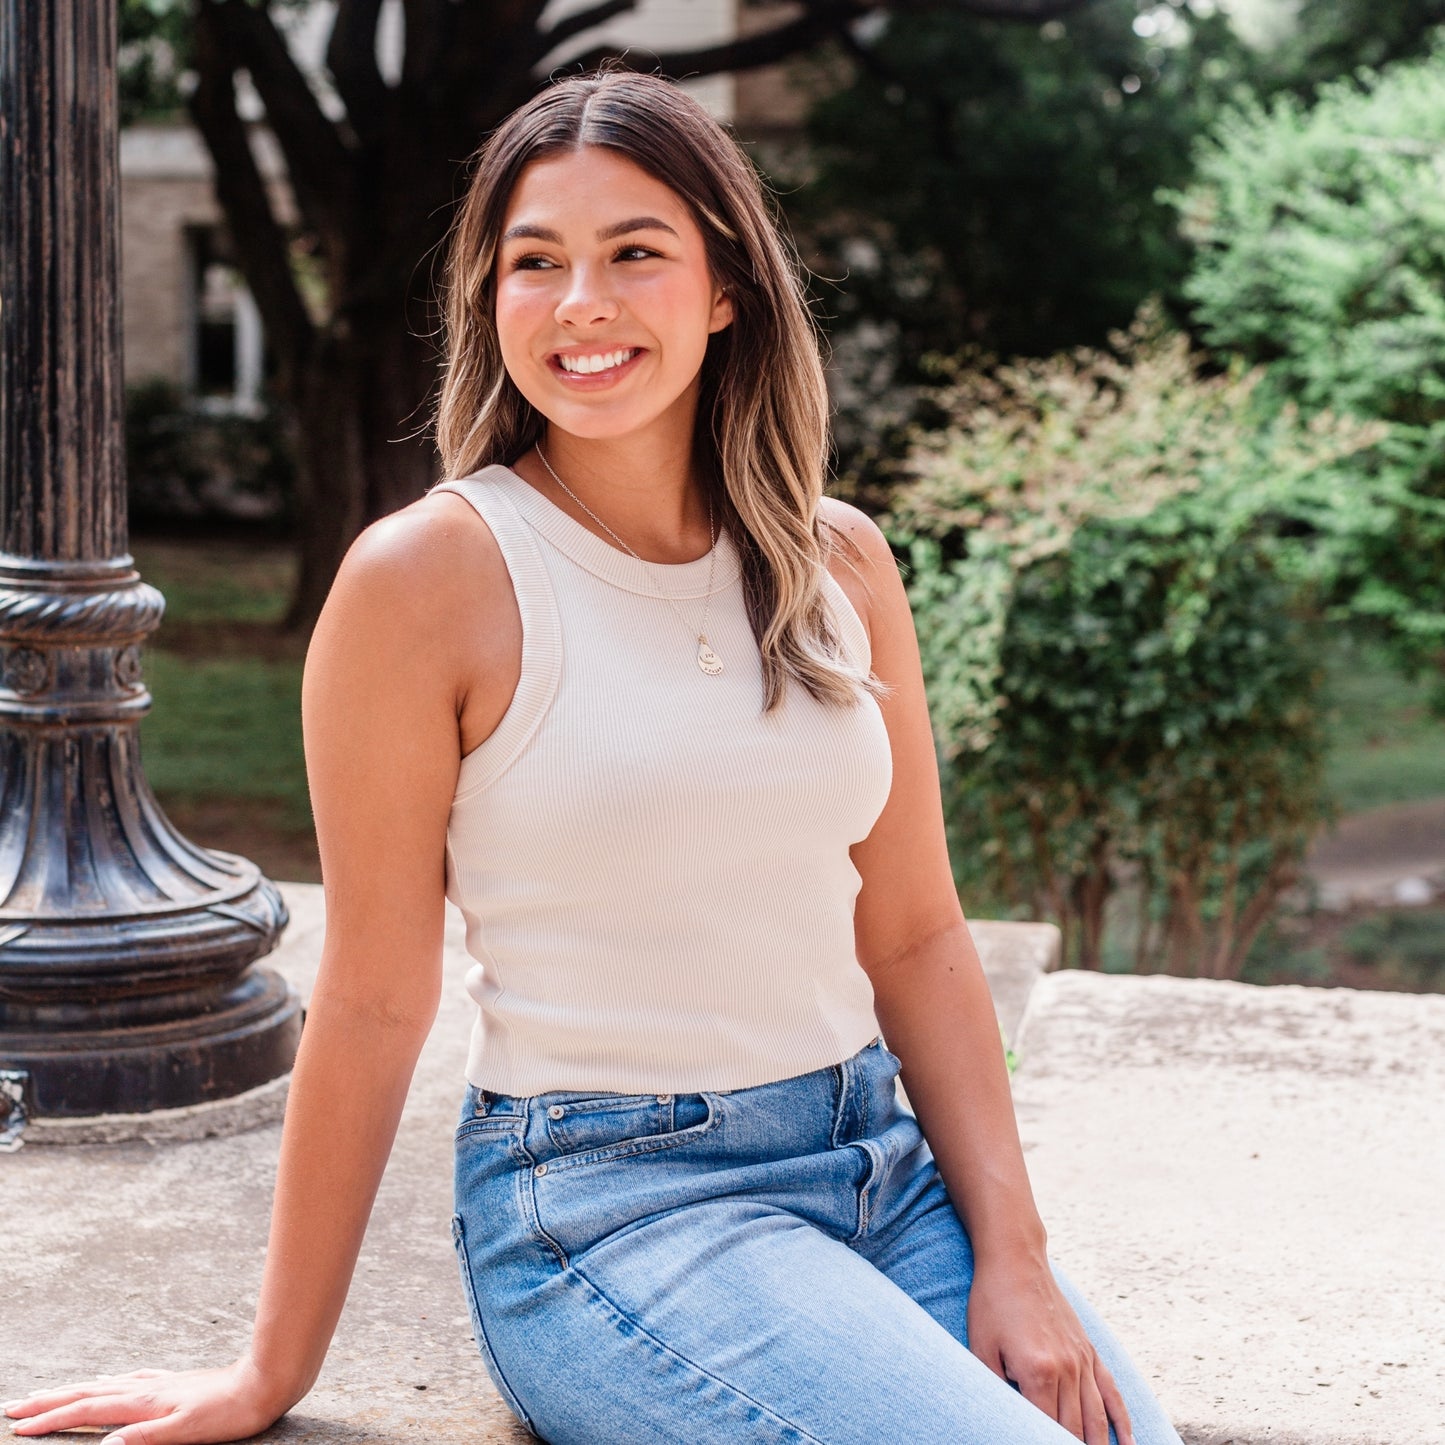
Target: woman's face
(604,298)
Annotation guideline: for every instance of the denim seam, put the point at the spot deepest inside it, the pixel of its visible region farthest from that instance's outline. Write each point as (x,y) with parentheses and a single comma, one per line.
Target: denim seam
(527,1202)
(667,1350)
(486,1124)
(483,1343)
(875,1165)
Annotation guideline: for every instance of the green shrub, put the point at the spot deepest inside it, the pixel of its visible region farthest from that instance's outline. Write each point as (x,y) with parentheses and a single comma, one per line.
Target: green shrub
(1320,235)
(1113,562)
(188,464)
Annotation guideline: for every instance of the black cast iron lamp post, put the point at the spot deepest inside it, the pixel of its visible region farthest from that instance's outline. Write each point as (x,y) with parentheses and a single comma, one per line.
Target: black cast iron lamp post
(126,983)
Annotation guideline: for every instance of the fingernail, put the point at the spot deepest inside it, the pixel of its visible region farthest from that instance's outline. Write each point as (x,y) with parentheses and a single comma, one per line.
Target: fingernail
(113,1440)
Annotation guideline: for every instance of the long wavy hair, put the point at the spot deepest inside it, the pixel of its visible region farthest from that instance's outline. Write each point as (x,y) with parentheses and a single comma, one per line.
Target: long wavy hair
(761,439)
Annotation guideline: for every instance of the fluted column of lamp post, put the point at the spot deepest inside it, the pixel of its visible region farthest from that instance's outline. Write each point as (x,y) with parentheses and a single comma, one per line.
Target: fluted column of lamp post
(126,952)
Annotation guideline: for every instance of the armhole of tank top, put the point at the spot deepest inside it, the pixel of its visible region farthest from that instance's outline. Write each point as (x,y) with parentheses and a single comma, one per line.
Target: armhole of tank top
(541,637)
(850,624)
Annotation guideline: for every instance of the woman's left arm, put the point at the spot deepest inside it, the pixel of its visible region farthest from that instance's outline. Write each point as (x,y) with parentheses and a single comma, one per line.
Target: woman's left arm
(934,1007)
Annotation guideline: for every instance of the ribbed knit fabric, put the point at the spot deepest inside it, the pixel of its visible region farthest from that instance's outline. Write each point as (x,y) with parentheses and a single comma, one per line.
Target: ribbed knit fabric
(654,873)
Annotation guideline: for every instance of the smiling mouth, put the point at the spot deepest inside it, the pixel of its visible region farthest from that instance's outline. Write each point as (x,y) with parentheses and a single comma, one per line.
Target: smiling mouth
(598,362)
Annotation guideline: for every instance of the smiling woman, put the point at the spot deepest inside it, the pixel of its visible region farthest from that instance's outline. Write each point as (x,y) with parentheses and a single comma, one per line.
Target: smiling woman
(702,883)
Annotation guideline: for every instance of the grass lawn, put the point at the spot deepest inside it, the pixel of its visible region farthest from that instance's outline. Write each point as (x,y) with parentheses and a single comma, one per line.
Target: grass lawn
(1386,747)
(222,745)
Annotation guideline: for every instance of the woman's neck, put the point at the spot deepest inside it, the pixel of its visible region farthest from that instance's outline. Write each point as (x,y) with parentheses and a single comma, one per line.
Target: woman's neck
(644,488)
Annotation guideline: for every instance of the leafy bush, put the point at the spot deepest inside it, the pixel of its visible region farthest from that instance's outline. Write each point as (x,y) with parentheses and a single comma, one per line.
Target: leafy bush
(1113,561)
(1321,252)
(184,464)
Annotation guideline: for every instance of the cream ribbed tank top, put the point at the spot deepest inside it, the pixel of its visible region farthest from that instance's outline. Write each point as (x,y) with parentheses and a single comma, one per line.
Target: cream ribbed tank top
(654,873)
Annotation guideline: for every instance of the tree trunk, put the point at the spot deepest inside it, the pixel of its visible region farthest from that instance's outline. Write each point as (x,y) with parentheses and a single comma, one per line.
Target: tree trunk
(363,442)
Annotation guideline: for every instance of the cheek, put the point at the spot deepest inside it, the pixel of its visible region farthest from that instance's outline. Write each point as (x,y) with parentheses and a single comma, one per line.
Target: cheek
(683,311)
(519,311)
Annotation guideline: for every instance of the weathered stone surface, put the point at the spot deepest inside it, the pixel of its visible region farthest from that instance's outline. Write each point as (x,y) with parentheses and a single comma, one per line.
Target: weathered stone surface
(1247,1182)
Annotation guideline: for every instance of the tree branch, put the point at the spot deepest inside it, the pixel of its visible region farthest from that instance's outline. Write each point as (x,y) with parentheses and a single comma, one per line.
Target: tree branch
(578,23)
(817,23)
(1022,10)
(351,59)
(820,19)
(258,238)
(319,164)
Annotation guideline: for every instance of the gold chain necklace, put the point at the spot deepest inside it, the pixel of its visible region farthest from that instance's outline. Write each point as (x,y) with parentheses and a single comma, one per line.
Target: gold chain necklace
(707,659)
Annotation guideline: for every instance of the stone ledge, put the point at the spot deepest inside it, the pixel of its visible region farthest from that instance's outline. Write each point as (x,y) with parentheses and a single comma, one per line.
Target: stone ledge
(1247,1181)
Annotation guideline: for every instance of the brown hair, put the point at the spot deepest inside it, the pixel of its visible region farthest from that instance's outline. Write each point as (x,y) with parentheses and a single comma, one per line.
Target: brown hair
(761,438)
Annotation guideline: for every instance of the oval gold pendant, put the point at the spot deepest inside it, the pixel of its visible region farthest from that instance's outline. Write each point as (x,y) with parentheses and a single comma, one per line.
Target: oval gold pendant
(707,659)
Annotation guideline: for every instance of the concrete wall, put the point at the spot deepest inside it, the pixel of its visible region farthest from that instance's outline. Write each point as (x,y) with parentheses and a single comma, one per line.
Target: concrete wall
(165,188)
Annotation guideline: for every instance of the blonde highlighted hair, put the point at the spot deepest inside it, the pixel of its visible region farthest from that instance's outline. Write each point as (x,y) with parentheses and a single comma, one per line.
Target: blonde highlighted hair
(762,429)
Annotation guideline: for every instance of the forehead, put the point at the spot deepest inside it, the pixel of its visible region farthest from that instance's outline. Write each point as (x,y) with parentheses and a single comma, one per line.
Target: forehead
(582,191)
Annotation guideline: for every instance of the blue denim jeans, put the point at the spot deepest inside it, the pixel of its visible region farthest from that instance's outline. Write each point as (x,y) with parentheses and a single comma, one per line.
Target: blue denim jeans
(778,1263)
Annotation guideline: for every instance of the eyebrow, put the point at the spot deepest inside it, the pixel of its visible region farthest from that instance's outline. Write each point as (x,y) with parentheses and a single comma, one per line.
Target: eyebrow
(607,233)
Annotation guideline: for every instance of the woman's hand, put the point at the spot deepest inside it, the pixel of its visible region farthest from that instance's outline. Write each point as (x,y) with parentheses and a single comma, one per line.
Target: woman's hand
(156,1407)
(1021,1326)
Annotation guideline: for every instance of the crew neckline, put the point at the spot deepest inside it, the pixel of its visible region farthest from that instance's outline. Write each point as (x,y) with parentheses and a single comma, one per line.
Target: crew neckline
(610,563)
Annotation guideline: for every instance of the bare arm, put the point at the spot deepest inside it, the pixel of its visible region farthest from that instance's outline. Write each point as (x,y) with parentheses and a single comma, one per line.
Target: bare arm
(937,1015)
(380,709)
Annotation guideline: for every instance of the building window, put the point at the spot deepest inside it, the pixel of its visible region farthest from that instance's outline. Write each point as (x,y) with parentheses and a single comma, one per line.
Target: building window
(226,360)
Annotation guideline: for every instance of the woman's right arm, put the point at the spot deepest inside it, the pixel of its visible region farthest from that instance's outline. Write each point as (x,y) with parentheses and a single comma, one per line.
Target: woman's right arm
(380,704)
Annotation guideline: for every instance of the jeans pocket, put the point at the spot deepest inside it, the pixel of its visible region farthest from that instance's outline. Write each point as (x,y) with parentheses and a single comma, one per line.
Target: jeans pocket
(589,1129)
(479,1329)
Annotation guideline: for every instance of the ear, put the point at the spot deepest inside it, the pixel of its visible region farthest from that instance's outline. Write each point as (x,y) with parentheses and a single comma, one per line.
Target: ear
(722,312)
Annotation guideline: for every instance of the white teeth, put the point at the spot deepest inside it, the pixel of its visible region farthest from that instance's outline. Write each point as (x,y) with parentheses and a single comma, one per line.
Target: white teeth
(585,365)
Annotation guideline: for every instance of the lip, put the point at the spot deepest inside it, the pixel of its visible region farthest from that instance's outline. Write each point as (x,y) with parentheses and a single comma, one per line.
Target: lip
(593,380)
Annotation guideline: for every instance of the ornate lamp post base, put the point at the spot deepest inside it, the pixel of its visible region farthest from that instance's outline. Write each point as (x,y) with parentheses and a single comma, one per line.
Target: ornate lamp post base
(125,950)
(246,1037)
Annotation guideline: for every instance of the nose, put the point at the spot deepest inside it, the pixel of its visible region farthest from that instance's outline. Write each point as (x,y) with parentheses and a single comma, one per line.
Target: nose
(587,299)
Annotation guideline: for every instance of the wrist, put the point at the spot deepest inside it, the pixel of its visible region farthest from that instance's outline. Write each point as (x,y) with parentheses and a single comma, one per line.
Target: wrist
(274,1391)
(1016,1245)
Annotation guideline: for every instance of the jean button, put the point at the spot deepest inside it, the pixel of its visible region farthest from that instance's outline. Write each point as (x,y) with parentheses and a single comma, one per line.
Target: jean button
(540,1170)
(555,1111)
(664,1098)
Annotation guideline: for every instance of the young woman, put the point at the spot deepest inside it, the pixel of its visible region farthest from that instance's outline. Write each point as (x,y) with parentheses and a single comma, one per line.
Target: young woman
(647,706)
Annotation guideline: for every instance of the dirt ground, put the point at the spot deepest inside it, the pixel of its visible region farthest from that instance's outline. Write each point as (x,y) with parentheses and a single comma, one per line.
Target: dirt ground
(254,828)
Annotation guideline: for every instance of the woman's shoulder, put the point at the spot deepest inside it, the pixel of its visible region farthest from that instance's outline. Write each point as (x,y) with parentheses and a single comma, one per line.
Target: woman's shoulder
(858,555)
(424,592)
(433,558)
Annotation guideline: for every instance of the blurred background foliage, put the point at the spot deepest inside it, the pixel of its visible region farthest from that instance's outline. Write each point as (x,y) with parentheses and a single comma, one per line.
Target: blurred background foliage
(1114,579)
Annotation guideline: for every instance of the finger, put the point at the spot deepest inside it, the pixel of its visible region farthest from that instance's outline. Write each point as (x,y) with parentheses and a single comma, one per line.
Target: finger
(1096,1416)
(96,1410)
(63,1394)
(52,1399)
(1114,1405)
(175,1429)
(1070,1413)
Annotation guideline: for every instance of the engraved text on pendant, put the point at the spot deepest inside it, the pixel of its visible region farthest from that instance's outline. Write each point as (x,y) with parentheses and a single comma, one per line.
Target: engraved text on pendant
(707,659)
